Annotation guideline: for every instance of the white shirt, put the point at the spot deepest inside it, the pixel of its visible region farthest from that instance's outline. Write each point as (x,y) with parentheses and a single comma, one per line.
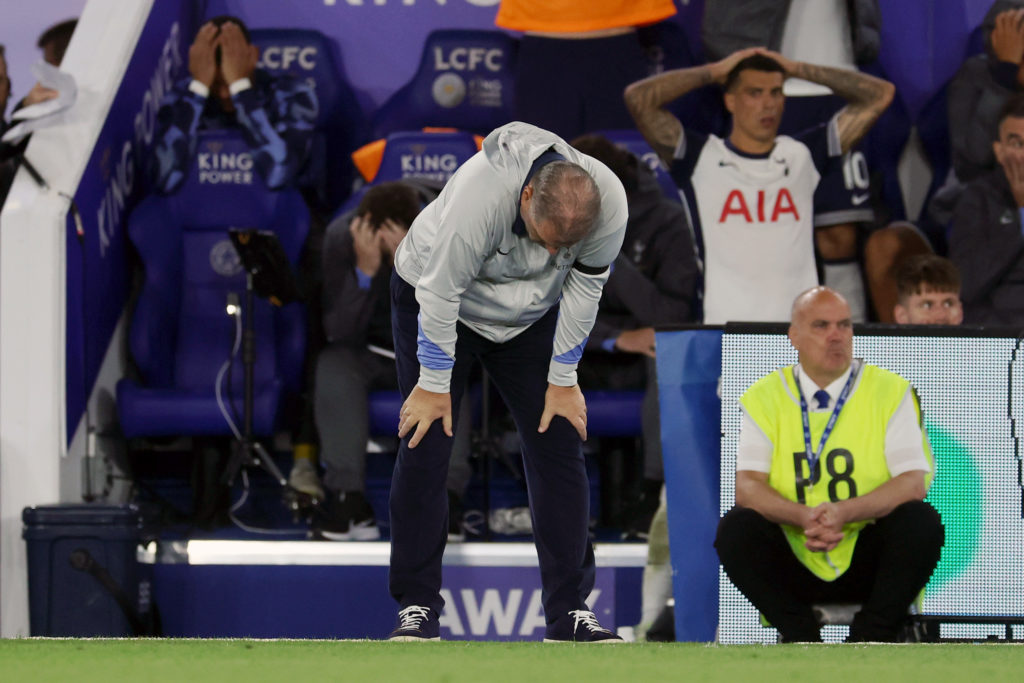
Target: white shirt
(816,32)
(755,218)
(904,451)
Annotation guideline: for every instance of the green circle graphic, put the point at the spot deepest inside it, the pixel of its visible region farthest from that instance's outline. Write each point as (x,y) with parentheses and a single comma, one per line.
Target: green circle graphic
(956,493)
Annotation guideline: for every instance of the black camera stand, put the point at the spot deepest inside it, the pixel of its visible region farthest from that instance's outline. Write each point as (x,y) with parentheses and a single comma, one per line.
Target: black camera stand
(269,275)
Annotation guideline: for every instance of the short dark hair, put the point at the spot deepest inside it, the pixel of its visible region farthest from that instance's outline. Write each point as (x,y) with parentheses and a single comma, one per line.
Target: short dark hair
(395,200)
(222,19)
(755,62)
(59,35)
(1012,108)
(622,162)
(925,272)
(567,195)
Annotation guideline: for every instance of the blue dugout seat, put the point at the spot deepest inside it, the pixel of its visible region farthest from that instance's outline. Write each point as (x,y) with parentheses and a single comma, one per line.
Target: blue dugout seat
(341,124)
(616,412)
(634,142)
(180,334)
(464,80)
(432,156)
(422,155)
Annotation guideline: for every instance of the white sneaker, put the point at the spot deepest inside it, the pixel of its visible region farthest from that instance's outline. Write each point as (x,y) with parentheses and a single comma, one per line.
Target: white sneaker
(511,521)
(303,478)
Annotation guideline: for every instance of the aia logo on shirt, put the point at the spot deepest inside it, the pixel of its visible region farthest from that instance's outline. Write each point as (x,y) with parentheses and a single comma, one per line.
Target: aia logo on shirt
(760,208)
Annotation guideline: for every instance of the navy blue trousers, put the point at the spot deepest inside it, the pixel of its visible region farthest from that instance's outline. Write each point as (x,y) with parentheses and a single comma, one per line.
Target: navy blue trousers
(556,477)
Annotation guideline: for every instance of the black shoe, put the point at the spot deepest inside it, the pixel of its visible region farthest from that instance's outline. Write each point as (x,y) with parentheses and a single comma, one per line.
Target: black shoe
(579,626)
(416,624)
(348,517)
(456,530)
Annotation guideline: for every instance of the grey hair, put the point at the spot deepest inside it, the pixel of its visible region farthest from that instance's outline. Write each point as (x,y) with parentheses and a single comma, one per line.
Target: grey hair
(565,194)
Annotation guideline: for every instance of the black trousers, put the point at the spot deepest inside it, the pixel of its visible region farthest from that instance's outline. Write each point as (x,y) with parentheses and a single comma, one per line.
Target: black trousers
(893,560)
(556,476)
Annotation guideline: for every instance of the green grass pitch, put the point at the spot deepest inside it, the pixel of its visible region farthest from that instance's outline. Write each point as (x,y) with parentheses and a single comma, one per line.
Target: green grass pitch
(249,661)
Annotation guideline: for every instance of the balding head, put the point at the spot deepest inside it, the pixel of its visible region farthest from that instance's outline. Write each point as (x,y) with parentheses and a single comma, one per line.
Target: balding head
(564,198)
(809,298)
(821,331)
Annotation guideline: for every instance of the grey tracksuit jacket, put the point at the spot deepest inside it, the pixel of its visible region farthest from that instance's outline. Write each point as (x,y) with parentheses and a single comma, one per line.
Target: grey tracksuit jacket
(468,266)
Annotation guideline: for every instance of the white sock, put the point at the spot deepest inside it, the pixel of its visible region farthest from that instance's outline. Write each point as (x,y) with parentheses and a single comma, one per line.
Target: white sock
(845,278)
(657,589)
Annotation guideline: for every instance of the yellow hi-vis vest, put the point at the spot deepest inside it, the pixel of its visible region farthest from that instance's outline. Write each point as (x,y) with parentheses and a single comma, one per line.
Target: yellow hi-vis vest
(852,462)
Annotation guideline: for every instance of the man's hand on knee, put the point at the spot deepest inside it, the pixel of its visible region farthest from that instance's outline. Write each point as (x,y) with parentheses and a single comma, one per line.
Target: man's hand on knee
(567,402)
(420,410)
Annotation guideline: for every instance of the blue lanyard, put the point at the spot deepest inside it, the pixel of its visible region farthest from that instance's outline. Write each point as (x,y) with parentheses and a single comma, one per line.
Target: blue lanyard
(814,456)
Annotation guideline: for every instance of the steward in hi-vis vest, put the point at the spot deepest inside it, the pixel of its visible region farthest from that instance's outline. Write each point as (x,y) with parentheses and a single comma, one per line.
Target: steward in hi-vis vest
(852,461)
(832,469)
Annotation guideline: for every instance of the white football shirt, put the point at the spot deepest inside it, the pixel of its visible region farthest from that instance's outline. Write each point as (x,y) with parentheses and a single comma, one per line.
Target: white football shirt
(754,217)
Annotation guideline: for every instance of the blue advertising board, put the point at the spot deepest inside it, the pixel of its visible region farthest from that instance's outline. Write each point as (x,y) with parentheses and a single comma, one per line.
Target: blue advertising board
(689,366)
(339,601)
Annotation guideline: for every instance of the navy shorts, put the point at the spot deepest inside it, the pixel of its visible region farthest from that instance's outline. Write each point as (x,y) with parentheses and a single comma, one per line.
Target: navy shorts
(843,194)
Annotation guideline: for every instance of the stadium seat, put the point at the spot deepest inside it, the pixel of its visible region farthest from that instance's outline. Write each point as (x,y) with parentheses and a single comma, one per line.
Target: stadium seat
(614,413)
(883,146)
(431,156)
(424,155)
(464,80)
(384,408)
(633,141)
(341,125)
(180,333)
(933,128)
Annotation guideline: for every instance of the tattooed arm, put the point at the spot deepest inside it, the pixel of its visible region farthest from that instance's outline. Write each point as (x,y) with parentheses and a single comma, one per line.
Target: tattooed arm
(646,100)
(866,96)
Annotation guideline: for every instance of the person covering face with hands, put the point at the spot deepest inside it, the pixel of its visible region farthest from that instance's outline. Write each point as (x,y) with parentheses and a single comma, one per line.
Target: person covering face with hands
(226,91)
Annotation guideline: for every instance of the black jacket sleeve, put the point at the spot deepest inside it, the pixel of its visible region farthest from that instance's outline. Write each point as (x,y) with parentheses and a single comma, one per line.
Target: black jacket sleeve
(985,244)
(655,288)
(976,95)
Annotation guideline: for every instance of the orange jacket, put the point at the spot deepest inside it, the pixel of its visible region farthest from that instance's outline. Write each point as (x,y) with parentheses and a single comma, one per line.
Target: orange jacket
(580,15)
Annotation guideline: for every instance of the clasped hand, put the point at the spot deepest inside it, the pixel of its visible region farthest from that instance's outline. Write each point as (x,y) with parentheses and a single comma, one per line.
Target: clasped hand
(823,527)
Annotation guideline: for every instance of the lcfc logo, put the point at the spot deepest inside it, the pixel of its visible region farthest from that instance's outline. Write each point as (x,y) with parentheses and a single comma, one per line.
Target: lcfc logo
(281,57)
(468,59)
(449,90)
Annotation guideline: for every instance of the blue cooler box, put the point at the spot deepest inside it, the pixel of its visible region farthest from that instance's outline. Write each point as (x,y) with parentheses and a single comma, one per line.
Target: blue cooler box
(84,578)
